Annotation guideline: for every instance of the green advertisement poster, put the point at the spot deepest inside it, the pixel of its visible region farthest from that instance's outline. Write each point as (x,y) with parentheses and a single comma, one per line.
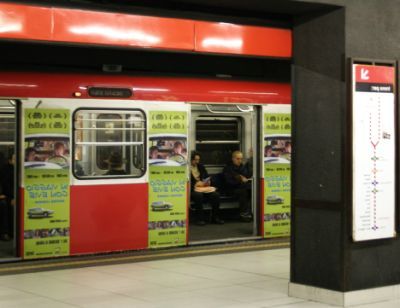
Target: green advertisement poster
(167,178)
(277,159)
(46,181)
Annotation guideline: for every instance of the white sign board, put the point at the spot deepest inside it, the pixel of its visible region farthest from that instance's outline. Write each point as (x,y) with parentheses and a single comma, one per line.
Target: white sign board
(374,165)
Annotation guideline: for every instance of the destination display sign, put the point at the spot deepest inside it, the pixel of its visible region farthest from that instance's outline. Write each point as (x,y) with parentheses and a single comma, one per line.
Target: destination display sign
(110,92)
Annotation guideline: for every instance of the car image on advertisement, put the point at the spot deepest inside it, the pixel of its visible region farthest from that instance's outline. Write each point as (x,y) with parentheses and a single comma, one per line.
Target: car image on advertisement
(38,212)
(161,206)
(274,199)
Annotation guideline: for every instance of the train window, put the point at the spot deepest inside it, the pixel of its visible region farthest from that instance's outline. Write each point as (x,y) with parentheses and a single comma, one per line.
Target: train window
(7,128)
(109,130)
(217,138)
(109,143)
(7,121)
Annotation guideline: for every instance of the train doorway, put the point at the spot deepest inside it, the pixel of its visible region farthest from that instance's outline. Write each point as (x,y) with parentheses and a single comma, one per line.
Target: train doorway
(217,131)
(7,181)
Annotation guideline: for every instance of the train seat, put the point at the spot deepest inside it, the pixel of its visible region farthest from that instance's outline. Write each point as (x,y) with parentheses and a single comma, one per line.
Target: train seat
(227,200)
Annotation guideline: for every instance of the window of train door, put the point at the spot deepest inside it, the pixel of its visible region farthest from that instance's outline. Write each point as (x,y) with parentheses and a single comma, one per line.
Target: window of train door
(7,181)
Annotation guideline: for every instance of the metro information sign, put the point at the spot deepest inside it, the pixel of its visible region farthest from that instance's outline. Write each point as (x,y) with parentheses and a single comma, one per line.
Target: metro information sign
(374,149)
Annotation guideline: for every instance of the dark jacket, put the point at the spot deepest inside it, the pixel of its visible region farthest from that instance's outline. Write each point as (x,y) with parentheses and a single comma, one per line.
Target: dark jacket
(232,175)
(203,176)
(249,166)
(7,181)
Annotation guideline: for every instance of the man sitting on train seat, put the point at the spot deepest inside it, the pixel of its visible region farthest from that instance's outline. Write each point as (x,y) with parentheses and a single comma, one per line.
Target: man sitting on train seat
(178,154)
(201,191)
(115,164)
(238,183)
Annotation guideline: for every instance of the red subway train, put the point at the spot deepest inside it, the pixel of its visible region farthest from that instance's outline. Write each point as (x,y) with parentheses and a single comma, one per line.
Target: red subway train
(68,131)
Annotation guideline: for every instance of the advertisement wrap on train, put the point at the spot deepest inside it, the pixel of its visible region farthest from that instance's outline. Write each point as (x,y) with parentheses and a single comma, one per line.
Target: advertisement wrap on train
(46,177)
(167,177)
(277,150)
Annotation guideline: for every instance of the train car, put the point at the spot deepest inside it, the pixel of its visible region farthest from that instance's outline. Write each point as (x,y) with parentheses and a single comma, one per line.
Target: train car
(86,178)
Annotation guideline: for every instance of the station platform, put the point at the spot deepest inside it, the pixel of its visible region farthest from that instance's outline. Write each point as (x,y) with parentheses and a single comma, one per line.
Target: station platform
(225,277)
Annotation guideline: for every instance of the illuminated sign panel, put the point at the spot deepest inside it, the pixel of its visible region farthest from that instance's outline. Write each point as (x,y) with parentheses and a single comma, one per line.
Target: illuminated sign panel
(374,146)
(110,92)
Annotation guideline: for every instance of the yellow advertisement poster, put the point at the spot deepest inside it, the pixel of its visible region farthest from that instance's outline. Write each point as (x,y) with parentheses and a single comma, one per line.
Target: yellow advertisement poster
(167,178)
(277,159)
(46,181)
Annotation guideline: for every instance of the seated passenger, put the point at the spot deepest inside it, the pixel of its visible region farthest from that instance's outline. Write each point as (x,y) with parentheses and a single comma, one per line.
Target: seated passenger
(201,191)
(237,180)
(79,169)
(115,164)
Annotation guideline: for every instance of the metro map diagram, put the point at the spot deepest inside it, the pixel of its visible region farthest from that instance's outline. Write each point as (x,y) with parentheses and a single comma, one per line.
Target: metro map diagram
(373,129)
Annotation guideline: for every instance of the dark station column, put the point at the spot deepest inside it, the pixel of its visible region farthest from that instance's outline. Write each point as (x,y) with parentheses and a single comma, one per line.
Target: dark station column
(326,263)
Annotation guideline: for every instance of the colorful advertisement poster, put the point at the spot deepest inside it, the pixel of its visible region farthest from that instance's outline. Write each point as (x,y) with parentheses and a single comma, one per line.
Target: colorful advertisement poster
(46,183)
(167,178)
(277,158)
(374,152)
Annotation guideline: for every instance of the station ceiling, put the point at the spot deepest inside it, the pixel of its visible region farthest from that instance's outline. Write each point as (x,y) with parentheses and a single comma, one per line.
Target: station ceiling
(262,12)
(261,7)
(43,56)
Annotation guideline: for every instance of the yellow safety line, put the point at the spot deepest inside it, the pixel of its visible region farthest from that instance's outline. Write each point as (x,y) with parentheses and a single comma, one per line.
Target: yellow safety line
(133,258)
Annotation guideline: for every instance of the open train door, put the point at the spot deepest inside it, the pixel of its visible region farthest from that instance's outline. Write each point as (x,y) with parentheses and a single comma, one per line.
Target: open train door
(217,131)
(8,187)
(276,169)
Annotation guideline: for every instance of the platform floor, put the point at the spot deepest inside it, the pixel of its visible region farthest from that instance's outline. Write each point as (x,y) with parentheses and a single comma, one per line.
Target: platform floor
(241,279)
